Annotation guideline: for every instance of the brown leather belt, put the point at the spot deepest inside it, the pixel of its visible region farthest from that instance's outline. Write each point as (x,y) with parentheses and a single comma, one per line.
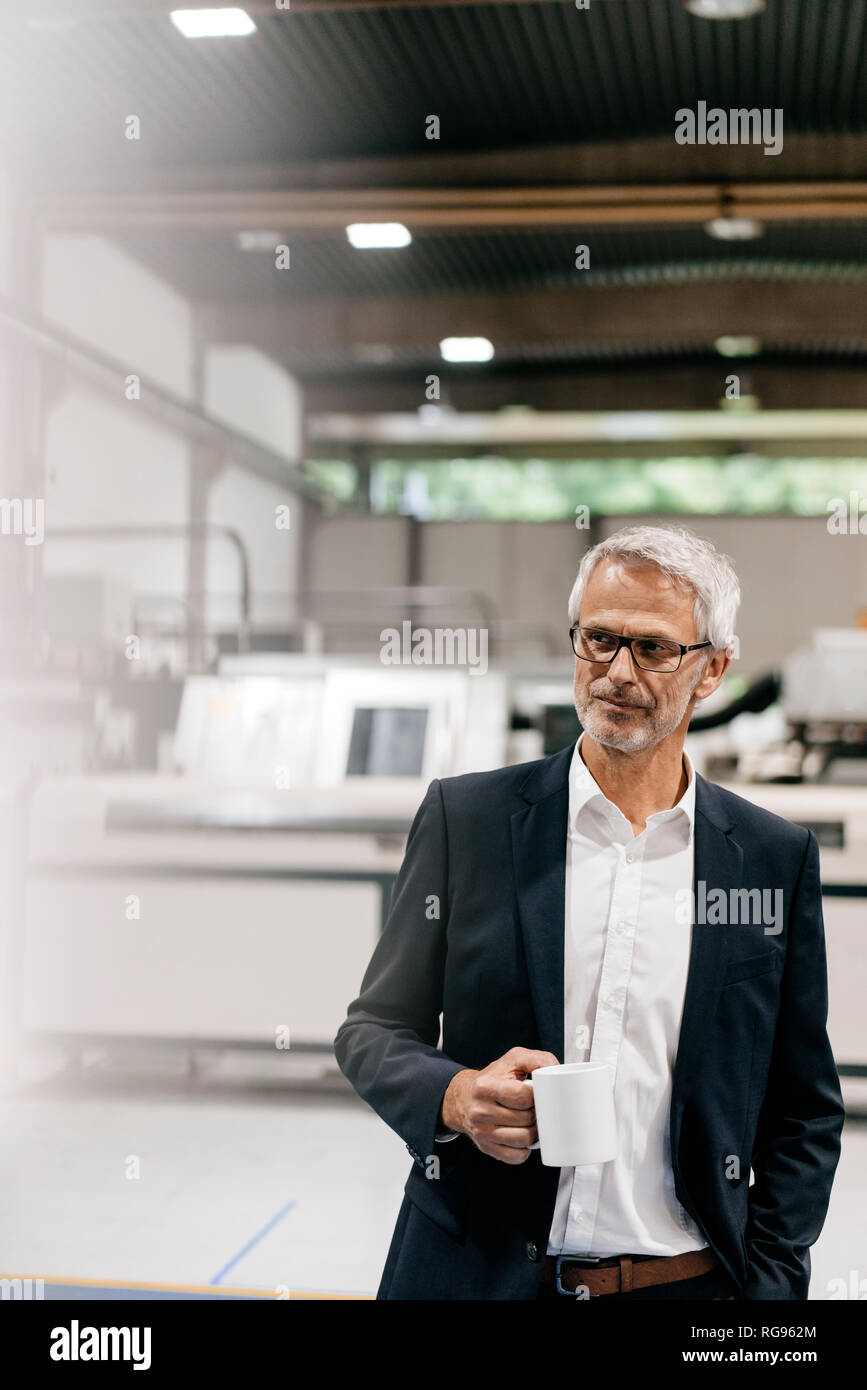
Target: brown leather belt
(624,1273)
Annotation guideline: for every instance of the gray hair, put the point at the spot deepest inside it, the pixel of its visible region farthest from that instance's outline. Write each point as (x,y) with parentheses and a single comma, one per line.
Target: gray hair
(685,558)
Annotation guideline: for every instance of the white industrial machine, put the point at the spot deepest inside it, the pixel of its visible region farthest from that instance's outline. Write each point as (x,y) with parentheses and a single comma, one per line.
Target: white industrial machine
(237,901)
(826,680)
(838,818)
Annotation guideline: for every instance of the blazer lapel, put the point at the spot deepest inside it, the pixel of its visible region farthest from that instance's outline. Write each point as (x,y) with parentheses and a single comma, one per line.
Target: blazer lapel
(539,851)
(718,862)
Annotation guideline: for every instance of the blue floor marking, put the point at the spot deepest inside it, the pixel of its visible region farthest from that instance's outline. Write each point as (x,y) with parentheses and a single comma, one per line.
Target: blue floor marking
(250,1243)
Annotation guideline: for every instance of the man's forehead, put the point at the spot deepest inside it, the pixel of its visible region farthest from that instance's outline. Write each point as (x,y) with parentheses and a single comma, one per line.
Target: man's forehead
(634,586)
(640,597)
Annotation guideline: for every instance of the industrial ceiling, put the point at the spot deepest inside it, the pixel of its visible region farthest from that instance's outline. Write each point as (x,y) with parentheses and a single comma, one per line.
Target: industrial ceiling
(556,128)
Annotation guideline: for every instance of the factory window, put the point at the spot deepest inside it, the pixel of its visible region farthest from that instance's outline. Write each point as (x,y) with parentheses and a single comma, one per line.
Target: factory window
(507,489)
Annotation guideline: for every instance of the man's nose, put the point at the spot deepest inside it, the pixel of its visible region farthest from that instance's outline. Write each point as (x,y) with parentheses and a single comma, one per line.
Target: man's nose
(621,669)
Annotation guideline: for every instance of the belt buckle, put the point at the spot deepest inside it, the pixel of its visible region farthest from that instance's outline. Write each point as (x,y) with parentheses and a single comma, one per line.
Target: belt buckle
(575,1260)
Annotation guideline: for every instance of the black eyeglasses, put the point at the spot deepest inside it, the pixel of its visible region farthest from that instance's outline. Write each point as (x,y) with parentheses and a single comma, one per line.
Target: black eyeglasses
(650,653)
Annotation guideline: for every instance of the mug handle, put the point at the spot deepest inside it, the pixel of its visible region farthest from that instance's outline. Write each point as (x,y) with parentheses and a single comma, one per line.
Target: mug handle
(528,1081)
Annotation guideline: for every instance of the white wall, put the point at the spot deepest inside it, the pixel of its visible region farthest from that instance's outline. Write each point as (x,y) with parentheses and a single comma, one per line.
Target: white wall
(795,576)
(248,505)
(97,292)
(109,464)
(526,568)
(6,193)
(253,395)
(106,462)
(347,556)
(360,552)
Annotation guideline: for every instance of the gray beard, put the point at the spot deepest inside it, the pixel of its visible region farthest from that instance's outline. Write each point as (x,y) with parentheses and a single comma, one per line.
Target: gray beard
(607,730)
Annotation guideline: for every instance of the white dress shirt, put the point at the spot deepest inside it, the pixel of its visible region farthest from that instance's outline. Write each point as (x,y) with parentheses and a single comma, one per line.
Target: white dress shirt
(625,966)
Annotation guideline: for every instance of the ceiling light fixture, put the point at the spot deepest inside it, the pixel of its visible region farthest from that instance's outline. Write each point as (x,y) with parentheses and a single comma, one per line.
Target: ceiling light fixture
(213,24)
(374,354)
(725,9)
(375,236)
(738,345)
(466,349)
(259,240)
(734,228)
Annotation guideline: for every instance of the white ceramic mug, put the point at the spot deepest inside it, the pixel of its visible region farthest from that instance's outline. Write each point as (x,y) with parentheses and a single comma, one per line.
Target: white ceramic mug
(574,1106)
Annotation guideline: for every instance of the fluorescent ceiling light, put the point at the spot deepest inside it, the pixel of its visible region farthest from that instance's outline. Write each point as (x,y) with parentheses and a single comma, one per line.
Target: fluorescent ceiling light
(375,354)
(213,24)
(725,9)
(259,241)
(372,236)
(738,345)
(734,228)
(467,349)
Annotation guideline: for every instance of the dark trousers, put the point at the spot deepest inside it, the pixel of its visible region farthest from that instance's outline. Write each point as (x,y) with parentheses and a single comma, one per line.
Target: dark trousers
(715,1284)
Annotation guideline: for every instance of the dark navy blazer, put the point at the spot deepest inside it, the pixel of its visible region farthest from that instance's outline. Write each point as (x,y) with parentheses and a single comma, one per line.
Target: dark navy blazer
(476,935)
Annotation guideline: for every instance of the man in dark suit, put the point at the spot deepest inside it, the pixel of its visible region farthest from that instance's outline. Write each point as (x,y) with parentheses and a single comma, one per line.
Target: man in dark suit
(608,904)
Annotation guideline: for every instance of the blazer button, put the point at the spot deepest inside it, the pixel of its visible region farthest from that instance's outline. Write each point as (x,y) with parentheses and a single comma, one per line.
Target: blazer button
(532,1252)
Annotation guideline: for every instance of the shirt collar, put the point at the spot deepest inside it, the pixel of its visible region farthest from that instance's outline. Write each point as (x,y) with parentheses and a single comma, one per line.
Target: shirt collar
(583,788)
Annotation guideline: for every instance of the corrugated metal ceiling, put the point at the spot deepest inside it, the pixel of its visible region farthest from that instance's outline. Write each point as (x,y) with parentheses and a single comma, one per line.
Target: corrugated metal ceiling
(211,267)
(361,82)
(315,365)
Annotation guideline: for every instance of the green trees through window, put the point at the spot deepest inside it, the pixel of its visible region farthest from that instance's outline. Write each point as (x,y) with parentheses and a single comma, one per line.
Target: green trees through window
(506,489)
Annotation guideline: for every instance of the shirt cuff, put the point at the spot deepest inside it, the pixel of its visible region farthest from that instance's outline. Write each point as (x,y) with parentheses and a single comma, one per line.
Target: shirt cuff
(442,1136)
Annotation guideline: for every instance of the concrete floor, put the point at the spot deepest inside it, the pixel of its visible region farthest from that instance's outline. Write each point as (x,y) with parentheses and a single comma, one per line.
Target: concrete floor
(245,1188)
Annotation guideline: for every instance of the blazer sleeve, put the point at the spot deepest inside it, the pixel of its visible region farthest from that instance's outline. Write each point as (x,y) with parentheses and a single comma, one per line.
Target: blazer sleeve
(798,1132)
(387,1045)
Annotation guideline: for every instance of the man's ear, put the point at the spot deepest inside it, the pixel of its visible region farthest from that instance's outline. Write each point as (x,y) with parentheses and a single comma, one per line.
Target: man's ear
(712,676)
